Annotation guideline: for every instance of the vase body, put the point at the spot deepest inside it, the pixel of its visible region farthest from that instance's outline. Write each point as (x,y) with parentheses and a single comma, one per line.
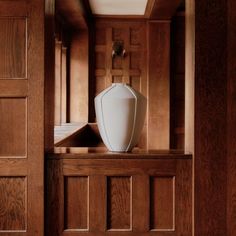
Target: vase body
(120,113)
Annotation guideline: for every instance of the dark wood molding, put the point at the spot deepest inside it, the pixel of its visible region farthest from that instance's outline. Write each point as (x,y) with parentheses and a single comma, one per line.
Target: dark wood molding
(76,14)
(149,8)
(161,9)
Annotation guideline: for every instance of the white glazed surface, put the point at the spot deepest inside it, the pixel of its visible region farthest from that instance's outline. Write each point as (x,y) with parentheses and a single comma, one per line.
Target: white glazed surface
(120,112)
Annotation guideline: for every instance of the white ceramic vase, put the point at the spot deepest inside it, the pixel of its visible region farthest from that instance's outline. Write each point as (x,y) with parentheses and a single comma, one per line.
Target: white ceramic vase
(120,113)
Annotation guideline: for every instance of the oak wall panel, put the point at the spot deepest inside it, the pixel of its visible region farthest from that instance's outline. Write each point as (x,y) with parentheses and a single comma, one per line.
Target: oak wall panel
(131,69)
(13,47)
(13,126)
(76,202)
(12,203)
(118,203)
(162,203)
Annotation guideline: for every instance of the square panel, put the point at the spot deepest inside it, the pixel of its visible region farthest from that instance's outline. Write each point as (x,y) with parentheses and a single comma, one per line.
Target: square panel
(12,203)
(13,47)
(13,126)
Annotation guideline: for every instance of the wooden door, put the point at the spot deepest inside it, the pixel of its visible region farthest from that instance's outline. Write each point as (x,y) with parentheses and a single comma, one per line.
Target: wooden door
(21,117)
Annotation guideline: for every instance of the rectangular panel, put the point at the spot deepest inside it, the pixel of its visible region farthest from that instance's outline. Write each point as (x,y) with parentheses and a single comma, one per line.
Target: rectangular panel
(12,203)
(135,82)
(13,138)
(100,84)
(13,53)
(162,199)
(119,203)
(76,202)
(100,36)
(116,79)
(100,60)
(135,59)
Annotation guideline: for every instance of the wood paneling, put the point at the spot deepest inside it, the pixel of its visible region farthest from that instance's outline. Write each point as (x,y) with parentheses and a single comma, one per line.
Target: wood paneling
(159,85)
(136,196)
(64,85)
(13,127)
(75,13)
(58,82)
(13,47)
(161,9)
(189,75)
(177,82)
(210,117)
(76,202)
(130,69)
(49,74)
(119,193)
(79,77)
(231,121)
(22,117)
(13,203)
(162,203)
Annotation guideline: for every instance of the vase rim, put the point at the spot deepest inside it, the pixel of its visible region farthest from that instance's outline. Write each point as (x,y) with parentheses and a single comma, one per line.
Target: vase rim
(121,84)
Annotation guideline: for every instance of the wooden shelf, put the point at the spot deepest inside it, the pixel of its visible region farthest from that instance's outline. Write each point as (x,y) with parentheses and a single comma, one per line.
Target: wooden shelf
(102,152)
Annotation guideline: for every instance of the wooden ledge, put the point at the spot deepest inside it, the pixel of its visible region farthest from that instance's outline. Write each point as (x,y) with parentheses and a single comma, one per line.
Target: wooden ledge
(103,153)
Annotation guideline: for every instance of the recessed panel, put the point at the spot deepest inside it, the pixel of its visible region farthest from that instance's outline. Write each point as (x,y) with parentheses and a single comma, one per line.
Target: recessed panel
(119,203)
(13,127)
(100,60)
(135,60)
(135,82)
(100,84)
(12,203)
(117,62)
(116,79)
(76,202)
(162,203)
(136,35)
(12,47)
(100,36)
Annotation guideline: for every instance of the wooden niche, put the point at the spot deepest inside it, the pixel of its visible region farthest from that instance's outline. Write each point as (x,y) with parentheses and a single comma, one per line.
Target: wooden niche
(130,69)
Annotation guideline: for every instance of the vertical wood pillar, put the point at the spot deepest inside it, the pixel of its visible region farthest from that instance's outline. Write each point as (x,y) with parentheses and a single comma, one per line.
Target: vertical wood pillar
(79,74)
(158,84)
(231,120)
(49,74)
(210,117)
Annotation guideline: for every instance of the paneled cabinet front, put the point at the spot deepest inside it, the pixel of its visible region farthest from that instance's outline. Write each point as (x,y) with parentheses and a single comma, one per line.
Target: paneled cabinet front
(130,197)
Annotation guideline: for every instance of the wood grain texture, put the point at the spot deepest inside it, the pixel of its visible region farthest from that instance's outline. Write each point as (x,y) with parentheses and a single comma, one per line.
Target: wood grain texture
(162,202)
(210,117)
(13,47)
(231,122)
(79,77)
(58,82)
(131,69)
(49,73)
(177,82)
(75,13)
(12,203)
(76,202)
(158,85)
(119,206)
(35,118)
(161,9)
(119,192)
(189,76)
(13,128)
